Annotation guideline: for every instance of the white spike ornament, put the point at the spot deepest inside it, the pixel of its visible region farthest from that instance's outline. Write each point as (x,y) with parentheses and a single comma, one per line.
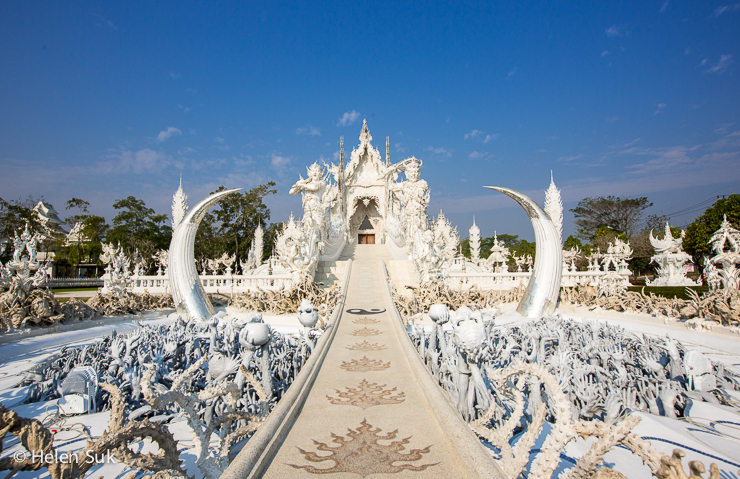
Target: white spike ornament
(187,292)
(541,296)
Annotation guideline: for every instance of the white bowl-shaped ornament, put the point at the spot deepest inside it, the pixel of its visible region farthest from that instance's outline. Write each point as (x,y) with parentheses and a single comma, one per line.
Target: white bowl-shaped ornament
(469,335)
(258,333)
(308,315)
(439,313)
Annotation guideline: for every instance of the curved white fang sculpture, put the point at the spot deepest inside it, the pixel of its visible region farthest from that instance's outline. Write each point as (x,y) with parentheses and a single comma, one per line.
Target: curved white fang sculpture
(187,292)
(541,295)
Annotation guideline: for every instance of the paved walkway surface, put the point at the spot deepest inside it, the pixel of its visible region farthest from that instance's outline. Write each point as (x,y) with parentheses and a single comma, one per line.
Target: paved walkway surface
(366,413)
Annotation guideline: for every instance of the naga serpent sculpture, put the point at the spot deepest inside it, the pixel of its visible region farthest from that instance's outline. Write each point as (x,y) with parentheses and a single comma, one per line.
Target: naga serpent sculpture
(187,291)
(541,296)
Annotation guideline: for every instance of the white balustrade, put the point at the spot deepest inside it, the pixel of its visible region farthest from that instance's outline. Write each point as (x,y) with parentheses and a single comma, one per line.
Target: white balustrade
(223,284)
(511,280)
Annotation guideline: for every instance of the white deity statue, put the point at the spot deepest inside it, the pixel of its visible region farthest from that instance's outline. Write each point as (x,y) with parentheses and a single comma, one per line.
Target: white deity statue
(313,189)
(413,196)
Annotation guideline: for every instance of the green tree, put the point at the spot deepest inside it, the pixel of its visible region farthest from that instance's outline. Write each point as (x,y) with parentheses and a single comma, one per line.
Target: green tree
(698,233)
(487,243)
(94,228)
(81,206)
(139,227)
(572,242)
(620,215)
(521,248)
(465,247)
(239,214)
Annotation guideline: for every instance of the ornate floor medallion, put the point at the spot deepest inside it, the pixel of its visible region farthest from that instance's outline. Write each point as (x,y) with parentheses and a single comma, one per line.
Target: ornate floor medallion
(365,346)
(366,320)
(364,365)
(367,395)
(366,332)
(360,453)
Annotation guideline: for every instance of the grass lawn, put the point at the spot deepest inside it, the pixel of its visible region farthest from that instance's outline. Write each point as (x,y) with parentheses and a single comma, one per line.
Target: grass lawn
(72,290)
(669,291)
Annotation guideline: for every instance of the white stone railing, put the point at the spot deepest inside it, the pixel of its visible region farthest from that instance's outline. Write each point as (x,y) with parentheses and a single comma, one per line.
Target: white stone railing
(498,281)
(510,280)
(223,284)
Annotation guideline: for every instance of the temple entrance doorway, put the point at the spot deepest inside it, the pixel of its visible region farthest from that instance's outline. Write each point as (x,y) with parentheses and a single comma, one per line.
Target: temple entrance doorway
(366,224)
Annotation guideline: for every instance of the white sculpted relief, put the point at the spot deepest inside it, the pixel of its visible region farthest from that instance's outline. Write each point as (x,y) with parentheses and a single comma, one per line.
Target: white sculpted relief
(726,244)
(670,259)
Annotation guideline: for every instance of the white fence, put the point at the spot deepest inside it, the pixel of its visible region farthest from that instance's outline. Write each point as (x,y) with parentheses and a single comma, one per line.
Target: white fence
(230,284)
(223,284)
(510,280)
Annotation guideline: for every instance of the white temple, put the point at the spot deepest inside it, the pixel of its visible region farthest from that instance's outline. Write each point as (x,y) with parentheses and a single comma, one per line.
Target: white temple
(364,204)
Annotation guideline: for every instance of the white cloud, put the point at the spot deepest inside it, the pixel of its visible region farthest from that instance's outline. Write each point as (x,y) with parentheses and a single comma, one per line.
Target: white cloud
(136,161)
(218,139)
(279,162)
(663,7)
(479,155)
(473,134)
(439,151)
(309,130)
(164,135)
(660,108)
(400,148)
(568,159)
(348,118)
(726,8)
(512,72)
(613,31)
(665,158)
(604,53)
(633,142)
(721,65)
(612,119)
(491,137)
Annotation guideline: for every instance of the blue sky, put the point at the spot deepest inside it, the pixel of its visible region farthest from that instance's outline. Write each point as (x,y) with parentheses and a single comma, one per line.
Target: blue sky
(101,100)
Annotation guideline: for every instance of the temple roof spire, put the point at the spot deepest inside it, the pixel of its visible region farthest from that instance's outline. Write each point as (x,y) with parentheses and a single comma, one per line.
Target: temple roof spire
(365,137)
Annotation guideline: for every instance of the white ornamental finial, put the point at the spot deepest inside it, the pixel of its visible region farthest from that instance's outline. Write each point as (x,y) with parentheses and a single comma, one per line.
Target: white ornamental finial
(365,137)
(474,232)
(258,245)
(554,207)
(179,205)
